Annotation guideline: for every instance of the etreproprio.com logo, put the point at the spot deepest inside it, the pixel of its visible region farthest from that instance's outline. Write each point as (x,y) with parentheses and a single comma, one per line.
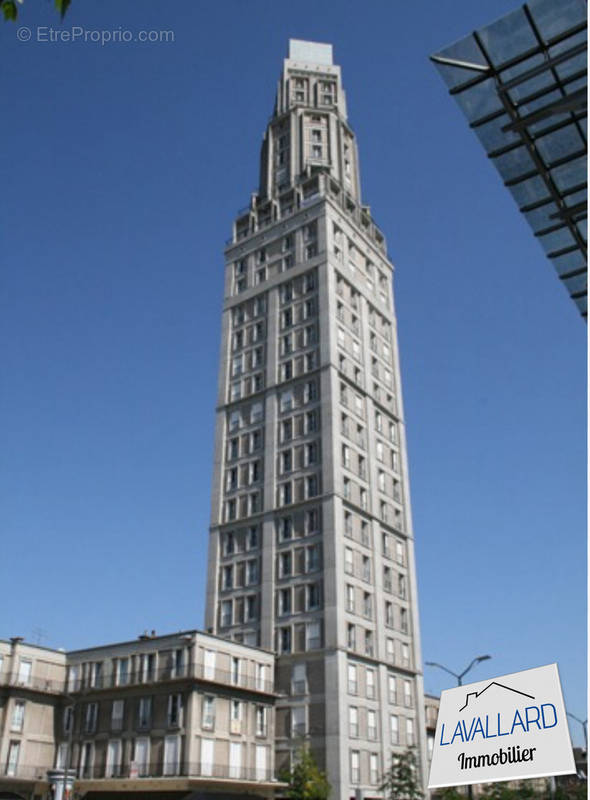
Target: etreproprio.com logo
(78,34)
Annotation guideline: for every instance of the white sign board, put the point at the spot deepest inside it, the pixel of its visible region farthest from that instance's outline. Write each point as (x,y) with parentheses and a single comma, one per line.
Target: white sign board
(502,729)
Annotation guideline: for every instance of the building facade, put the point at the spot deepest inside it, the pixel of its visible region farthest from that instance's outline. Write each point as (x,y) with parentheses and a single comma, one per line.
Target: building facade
(160,715)
(311,544)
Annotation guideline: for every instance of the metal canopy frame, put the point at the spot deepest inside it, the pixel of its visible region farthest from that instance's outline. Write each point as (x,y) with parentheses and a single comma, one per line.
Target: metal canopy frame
(530,112)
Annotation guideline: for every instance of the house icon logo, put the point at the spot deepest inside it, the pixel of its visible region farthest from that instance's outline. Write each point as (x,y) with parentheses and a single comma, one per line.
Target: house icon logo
(473,696)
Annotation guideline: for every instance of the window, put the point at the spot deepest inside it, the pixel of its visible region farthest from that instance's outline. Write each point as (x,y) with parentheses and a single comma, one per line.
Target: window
(351,636)
(141,755)
(208,717)
(287,400)
(174,710)
(252,572)
(113,762)
(313,558)
(366,573)
(409,732)
(352,679)
(235,671)
(285,494)
(353,721)
(24,672)
(370,679)
(18,716)
(90,717)
(252,538)
(117,713)
(355,769)
(261,714)
(12,760)
(407,694)
(298,724)
(299,679)
(348,561)
(405,655)
(367,605)
(371,725)
(350,598)
(229,544)
(313,596)
(392,689)
(394,729)
(144,713)
(284,602)
(369,648)
(226,613)
(285,638)
(313,636)
(390,650)
(227,581)
(261,679)
(171,755)
(401,585)
(403,620)
(251,613)
(387,586)
(389,614)
(399,552)
(373,768)
(285,528)
(285,564)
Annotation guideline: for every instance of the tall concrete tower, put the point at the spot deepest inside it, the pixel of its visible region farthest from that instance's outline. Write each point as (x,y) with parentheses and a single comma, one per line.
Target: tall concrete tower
(311,548)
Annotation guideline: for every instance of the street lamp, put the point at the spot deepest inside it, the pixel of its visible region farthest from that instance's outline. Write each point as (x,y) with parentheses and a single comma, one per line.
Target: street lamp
(584,724)
(460,677)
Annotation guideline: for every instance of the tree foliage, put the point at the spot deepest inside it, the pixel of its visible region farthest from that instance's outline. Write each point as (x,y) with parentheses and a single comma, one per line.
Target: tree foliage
(402,779)
(306,780)
(10,8)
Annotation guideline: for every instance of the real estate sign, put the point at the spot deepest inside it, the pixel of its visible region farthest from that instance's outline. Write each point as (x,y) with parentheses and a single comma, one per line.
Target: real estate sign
(502,729)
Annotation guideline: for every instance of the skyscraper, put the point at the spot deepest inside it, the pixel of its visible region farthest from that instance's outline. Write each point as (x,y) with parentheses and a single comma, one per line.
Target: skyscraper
(311,546)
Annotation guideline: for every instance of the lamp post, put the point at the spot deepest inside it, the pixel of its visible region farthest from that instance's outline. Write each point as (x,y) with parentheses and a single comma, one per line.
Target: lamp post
(584,724)
(460,677)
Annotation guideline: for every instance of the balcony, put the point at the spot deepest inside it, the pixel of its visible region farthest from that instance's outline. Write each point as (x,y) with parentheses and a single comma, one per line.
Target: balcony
(169,673)
(173,769)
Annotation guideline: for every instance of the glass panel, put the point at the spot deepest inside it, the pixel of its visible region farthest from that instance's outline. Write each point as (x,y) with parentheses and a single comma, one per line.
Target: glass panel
(514,163)
(531,86)
(480,100)
(582,303)
(522,67)
(554,18)
(583,228)
(571,66)
(569,262)
(557,240)
(570,174)
(575,198)
(539,103)
(464,50)
(537,128)
(559,144)
(539,218)
(491,135)
(529,191)
(577,284)
(508,37)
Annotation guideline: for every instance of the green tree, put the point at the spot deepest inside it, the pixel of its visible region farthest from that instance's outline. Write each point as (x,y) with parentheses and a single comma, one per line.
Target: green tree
(402,779)
(449,793)
(10,8)
(306,780)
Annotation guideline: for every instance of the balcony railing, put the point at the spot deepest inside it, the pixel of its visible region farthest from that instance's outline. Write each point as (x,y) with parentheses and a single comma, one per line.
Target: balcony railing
(170,769)
(188,671)
(25,772)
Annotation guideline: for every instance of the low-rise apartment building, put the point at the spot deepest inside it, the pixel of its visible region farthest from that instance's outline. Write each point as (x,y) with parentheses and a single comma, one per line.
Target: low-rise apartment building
(175,713)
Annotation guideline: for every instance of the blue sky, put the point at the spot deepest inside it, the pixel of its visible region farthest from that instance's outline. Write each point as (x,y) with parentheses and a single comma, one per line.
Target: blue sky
(123,167)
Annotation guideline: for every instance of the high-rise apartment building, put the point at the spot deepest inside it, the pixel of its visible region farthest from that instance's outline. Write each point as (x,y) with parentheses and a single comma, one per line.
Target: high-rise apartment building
(311,547)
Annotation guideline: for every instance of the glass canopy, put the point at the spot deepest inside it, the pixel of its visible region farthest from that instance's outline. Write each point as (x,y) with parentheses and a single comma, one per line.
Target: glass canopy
(521,82)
